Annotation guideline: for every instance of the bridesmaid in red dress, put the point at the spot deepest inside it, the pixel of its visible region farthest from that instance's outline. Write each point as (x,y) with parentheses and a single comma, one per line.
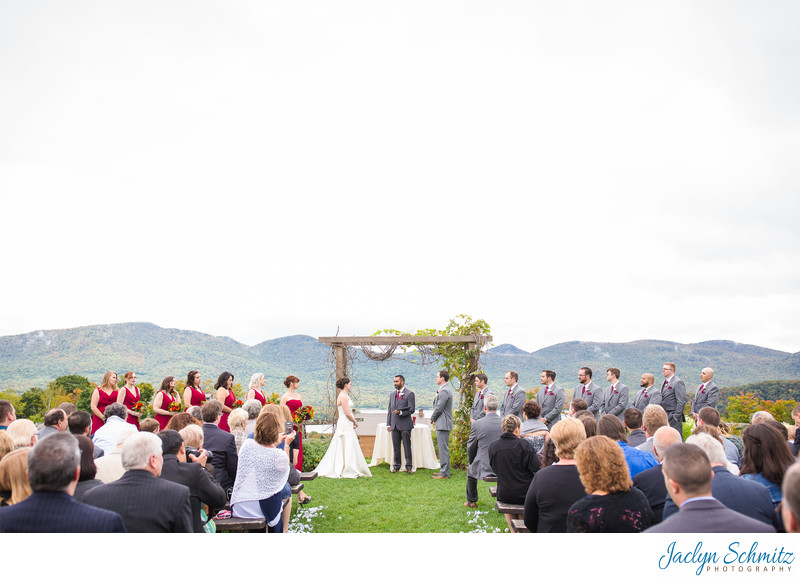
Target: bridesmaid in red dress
(102,396)
(129,395)
(293,400)
(192,394)
(256,391)
(226,397)
(165,396)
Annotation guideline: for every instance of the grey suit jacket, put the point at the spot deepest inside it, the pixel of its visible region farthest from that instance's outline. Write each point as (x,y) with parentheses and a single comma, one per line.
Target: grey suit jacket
(645,396)
(708,396)
(477,404)
(552,402)
(673,398)
(592,394)
(405,404)
(615,400)
(709,516)
(482,433)
(443,408)
(512,404)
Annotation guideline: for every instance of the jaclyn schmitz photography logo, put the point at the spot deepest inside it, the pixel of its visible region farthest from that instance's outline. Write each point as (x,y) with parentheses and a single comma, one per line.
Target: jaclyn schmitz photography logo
(735,557)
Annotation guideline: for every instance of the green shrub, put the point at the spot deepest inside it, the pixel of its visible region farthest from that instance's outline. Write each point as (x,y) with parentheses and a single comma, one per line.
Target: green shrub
(313,451)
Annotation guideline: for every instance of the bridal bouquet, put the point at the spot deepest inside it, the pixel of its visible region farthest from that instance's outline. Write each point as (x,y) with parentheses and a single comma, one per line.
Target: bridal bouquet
(302,414)
(138,406)
(238,403)
(175,406)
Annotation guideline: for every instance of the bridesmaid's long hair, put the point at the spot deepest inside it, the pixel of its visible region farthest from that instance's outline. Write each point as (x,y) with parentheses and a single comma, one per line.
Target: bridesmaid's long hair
(222,381)
(105,383)
(190,378)
(165,385)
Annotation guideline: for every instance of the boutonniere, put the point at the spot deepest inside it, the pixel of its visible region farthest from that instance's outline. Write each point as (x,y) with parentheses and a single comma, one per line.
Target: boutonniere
(669,387)
(646,395)
(481,395)
(703,391)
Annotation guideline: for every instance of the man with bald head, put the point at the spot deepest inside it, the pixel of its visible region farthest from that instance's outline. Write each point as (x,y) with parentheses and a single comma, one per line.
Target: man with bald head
(649,394)
(651,481)
(707,393)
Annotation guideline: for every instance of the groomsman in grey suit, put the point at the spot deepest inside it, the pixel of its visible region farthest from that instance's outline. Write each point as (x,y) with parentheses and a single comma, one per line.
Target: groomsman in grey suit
(551,399)
(615,397)
(707,393)
(673,397)
(514,397)
(482,433)
(400,423)
(477,403)
(649,394)
(442,418)
(589,391)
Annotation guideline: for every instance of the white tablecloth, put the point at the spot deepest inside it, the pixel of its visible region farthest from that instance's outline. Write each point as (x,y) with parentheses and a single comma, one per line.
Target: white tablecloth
(422,452)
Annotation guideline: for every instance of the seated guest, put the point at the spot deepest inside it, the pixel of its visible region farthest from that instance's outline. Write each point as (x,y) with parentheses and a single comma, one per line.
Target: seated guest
(109,467)
(263,473)
(557,487)
(612,504)
(708,416)
(577,405)
(285,443)
(651,481)
(653,418)
(107,436)
(182,420)
(766,458)
(53,468)
(203,488)
(222,445)
(532,426)
(253,409)
(14,484)
(54,421)
(611,426)
(632,419)
(747,497)
(237,422)
(196,412)
(147,504)
(6,444)
(149,425)
(515,462)
(192,435)
(80,423)
(715,433)
(790,510)
(589,423)
(68,407)
(7,414)
(87,478)
(688,476)
(23,432)
(760,416)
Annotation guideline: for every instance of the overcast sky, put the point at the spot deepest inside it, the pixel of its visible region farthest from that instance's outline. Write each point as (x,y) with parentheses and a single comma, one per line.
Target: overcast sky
(595,171)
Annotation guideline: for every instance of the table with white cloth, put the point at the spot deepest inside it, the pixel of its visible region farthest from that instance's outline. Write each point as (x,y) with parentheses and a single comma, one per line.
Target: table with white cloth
(423,454)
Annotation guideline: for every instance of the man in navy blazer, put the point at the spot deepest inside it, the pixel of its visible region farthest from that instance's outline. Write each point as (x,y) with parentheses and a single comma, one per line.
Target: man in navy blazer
(222,445)
(688,475)
(53,471)
(747,497)
(146,503)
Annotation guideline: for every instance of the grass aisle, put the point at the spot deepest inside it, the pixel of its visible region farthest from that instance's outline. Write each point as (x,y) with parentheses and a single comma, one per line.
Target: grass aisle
(398,503)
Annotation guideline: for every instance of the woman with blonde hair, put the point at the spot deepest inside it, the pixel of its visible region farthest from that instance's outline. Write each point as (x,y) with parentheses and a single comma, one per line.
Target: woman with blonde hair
(237,421)
(14,484)
(256,391)
(23,433)
(6,444)
(102,396)
(294,401)
(555,488)
(613,504)
(128,396)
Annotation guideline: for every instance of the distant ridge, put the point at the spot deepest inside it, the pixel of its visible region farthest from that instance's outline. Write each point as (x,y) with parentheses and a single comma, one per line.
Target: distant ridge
(38,357)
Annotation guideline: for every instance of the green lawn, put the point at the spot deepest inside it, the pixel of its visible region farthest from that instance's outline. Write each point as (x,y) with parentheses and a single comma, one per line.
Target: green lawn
(396,503)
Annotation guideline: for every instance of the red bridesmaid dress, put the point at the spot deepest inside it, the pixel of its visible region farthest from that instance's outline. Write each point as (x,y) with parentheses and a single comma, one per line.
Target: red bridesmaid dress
(130,400)
(105,400)
(229,400)
(260,397)
(163,419)
(198,397)
(293,406)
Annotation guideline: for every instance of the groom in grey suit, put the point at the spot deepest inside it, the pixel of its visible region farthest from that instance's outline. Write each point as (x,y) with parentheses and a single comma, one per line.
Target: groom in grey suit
(442,418)
(399,422)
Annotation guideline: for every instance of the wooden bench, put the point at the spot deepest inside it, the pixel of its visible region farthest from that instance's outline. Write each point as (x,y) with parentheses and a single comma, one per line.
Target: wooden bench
(297,489)
(308,476)
(492,479)
(508,508)
(239,524)
(493,491)
(518,526)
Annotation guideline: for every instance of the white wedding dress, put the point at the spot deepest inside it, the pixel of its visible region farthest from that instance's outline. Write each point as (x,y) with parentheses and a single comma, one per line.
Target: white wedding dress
(344,457)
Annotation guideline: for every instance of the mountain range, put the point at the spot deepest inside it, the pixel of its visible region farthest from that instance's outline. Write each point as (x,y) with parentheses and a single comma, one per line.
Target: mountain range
(153,352)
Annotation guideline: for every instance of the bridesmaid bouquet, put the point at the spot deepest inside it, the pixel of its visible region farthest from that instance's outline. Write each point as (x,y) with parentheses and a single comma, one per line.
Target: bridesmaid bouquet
(138,406)
(302,414)
(174,406)
(238,403)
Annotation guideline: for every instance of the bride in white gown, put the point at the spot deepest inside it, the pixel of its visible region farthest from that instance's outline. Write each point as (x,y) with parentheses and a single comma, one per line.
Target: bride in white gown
(344,457)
